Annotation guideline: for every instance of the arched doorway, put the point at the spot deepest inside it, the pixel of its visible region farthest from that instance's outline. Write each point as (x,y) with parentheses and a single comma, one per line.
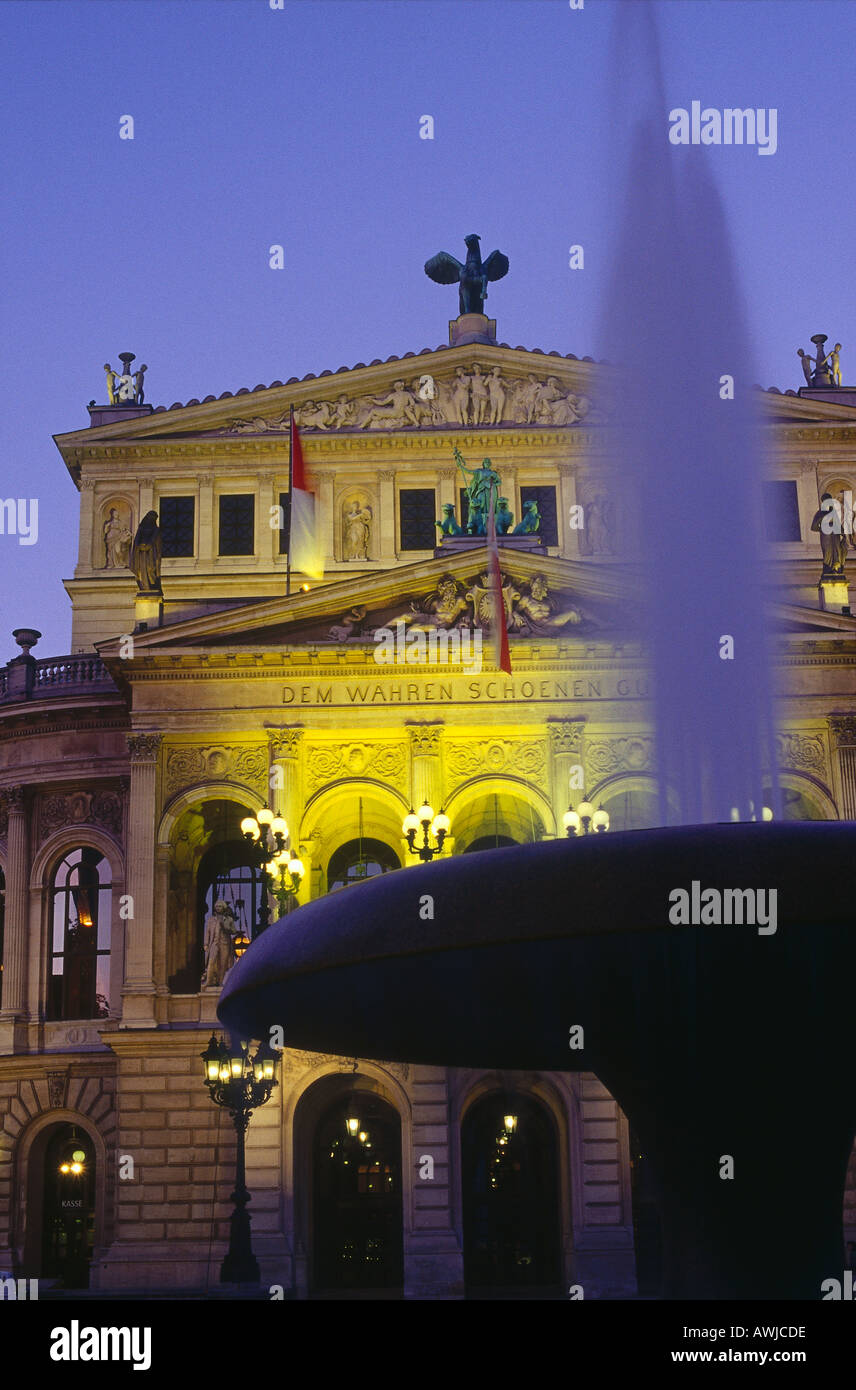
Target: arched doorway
(510,1194)
(68,1211)
(357,860)
(356,1185)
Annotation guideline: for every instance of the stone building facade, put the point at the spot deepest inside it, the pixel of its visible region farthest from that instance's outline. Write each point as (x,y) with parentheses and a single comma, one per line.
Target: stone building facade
(127,766)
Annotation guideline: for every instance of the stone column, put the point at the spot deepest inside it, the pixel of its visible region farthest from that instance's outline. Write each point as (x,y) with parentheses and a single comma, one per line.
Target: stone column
(383,539)
(206,518)
(426,782)
(268,549)
(325,479)
(287,799)
(842,728)
(87,509)
(566,752)
(138,993)
(17,914)
(569,537)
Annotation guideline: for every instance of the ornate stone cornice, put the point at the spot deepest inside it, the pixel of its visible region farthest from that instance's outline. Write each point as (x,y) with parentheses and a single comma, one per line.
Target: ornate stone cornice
(144,748)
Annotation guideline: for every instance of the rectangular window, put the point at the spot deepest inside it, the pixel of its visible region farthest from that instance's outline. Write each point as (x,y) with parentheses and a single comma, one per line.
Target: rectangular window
(285,514)
(417,515)
(237,524)
(546,499)
(781,512)
(176,516)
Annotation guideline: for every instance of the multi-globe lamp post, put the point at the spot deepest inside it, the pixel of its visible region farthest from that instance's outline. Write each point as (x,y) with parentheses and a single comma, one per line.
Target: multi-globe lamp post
(240,1084)
(585,820)
(434,828)
(270,845)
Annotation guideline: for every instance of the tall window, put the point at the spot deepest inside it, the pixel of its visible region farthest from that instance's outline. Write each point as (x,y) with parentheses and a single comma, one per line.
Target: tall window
(81,909)
(546,499)
(417,508)
(176,524)
(237,530)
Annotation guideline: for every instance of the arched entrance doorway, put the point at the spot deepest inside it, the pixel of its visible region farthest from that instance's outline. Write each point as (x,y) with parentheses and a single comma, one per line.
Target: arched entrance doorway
(510,1194)
(68,1210)
(356,1195)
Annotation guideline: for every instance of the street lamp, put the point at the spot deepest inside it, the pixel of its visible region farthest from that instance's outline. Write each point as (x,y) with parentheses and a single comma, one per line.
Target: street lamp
(240,1084)
(585,819)
(438,826)
(269,841)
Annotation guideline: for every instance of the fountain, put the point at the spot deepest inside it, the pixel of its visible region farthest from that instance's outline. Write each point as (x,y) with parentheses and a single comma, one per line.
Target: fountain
(711,1034)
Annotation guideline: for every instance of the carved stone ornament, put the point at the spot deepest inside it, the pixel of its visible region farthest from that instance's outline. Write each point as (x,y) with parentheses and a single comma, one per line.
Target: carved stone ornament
(566,735)
(424,739)
(513,757)
(80,808)
(804,751)
(144,748)
(15,799)
(609,755)
(294,1060)
(843,729)
(285,743)
(478,396)
(188,765)
(57,1089)
(387,762)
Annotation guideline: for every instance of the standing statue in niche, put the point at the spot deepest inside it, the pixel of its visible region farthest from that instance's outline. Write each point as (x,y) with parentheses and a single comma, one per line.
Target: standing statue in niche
(357,531)
(117,539)
(146,555)
(220,932)
(830,521)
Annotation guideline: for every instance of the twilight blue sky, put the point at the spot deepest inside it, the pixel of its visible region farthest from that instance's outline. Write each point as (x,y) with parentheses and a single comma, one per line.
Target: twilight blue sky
(256,126)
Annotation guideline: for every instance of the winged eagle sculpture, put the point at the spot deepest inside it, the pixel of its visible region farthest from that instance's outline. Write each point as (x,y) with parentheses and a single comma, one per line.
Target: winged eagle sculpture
(471,277)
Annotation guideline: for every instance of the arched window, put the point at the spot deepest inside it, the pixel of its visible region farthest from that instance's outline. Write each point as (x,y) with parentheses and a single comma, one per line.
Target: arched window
(359,859)
(2,919)
(81,912)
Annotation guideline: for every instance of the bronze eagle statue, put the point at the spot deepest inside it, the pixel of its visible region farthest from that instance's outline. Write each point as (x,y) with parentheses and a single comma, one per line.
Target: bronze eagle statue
(471,277)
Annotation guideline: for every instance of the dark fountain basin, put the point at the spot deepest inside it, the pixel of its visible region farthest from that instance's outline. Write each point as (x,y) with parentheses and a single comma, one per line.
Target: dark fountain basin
(715,1039)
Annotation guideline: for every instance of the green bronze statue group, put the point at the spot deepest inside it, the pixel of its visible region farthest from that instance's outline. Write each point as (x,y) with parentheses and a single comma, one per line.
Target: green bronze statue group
(481,484)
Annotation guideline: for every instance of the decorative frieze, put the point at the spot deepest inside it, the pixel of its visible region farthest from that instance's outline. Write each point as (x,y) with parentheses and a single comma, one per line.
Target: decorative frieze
(80,808)
(189,764)
(331,762)
(464,399)
(525,758)
(606,756)
(803,751)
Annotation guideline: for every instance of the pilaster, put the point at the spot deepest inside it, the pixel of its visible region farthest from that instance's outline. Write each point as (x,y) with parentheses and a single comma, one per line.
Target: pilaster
(138,994)
(14,998)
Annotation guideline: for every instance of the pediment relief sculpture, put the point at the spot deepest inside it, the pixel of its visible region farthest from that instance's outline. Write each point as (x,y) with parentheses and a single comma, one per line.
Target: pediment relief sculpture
(474,396)
(530,610)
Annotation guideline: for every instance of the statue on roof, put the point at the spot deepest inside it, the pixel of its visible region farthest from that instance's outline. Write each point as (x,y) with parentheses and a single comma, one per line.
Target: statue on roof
(471,277)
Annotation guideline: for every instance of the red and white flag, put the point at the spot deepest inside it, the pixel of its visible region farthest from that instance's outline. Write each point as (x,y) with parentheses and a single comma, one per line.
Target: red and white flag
(499,628)
(304,537)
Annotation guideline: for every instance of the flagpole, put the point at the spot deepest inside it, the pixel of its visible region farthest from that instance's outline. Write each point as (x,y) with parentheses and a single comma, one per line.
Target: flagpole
(290,490)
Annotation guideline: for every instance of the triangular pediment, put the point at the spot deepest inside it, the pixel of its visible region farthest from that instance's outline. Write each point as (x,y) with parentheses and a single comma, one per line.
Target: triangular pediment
(546,598)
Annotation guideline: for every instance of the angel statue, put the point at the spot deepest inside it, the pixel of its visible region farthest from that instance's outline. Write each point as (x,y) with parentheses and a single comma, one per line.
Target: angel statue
(471,277)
